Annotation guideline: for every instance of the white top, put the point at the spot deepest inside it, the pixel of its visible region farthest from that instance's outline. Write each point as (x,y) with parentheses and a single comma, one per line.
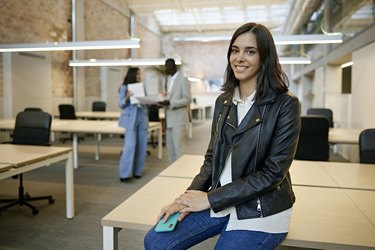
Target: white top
(277,223)
(170,81)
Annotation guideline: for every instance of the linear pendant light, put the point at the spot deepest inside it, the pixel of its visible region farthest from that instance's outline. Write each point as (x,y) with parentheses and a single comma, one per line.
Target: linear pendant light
(279,40)
(161,61)
(121,62)
(294,60)
(79,45)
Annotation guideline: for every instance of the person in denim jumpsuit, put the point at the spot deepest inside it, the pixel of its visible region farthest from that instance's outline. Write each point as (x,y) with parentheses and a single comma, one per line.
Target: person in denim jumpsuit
(134,118)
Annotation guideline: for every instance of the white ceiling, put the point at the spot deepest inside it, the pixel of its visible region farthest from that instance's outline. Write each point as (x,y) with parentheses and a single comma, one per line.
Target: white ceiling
(282,17)
(213,15)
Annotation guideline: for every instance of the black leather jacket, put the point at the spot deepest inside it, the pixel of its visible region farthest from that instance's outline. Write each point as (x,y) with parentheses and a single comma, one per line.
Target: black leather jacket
(263,148)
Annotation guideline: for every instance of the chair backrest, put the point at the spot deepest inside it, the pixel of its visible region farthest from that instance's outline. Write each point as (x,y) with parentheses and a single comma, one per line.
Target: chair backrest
(32,109)
(99,106)
(32,128)
(367,146)
(313,139)
(67,112)
(322,111)
(153,113)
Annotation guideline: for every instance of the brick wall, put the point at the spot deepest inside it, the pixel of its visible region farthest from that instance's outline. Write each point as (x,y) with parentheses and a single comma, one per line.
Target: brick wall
(104,20)
(38,21)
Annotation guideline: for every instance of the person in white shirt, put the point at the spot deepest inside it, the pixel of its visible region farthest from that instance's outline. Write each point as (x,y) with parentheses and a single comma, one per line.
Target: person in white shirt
(243,191)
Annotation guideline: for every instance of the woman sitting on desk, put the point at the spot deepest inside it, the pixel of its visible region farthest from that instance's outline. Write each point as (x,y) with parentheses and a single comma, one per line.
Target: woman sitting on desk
(243,191)
(134,118)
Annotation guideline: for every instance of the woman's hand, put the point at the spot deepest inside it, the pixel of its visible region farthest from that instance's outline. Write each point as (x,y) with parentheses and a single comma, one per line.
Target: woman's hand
(128,94)
(193,201)
(171,209)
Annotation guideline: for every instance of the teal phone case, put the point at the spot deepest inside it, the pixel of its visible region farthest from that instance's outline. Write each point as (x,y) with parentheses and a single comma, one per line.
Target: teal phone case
(169,225)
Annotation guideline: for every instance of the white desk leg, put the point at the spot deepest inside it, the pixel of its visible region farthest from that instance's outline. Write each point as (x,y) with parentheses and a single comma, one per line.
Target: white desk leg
(75,150)
(204,114)
(69,187)
(160,143)
(190,127)
(110,238)
(97,151)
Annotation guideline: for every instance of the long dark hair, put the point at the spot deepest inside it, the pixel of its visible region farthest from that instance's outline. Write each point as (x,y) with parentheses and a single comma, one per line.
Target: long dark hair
(131,76)
(271,75)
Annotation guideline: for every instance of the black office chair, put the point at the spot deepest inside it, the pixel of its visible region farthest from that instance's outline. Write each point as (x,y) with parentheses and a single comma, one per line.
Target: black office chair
(153,116)
(313,139)
(67,111)
(99,106)
(32,109)
(367,146)
(31,128)
(324,112)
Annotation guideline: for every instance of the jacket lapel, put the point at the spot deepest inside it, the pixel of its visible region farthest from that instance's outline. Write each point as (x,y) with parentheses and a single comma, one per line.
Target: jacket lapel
(252,118)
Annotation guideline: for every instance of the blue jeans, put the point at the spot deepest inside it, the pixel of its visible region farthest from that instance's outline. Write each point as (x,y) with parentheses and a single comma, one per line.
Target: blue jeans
(197,227)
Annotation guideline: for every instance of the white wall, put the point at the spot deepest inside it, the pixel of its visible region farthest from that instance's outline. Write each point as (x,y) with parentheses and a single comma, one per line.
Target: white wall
(318,88)
(115,80)
(333,98)
(363,87)
(31,82)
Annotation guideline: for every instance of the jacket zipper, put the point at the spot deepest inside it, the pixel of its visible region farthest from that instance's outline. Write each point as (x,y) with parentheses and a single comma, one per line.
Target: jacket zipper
(218,123)
(259,207)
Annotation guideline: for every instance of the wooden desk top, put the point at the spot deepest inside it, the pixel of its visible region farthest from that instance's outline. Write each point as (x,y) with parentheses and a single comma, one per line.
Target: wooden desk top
(81,126)
(187,166)
(20,155)
(310,173)
(327,218)
(99,114)
(365,201)
(303,173)
(5,167)
(351,175)
(7,124)
(322,217)
(344,135)
(141,210)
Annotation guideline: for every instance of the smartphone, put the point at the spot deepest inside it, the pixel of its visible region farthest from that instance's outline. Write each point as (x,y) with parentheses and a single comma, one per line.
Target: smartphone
(169,225)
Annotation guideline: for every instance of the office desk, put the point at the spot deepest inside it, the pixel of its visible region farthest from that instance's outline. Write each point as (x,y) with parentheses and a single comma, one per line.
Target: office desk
(187,166)
(106,115)
(351,175)
(365,202)
(26,158)
(201,109)
(308,173)
(97,127)
(303,173)
(324,218)
(5,167)
(344,135)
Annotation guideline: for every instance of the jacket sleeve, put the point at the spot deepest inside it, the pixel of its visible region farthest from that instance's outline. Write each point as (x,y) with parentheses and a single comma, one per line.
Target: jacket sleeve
(122,103)
(272,168)
(185,95)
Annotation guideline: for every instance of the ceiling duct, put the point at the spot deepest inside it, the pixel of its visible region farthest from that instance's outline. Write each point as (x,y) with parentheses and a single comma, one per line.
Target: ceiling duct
(300,15)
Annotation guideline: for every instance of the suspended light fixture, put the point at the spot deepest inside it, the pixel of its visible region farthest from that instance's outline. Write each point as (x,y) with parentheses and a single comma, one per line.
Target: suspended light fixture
(346,64)
(279,40)
(294,60)
(79,45)
(121,62)
(308,39)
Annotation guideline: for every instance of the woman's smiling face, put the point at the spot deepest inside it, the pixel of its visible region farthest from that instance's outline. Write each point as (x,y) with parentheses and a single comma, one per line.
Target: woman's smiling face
(244,57)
